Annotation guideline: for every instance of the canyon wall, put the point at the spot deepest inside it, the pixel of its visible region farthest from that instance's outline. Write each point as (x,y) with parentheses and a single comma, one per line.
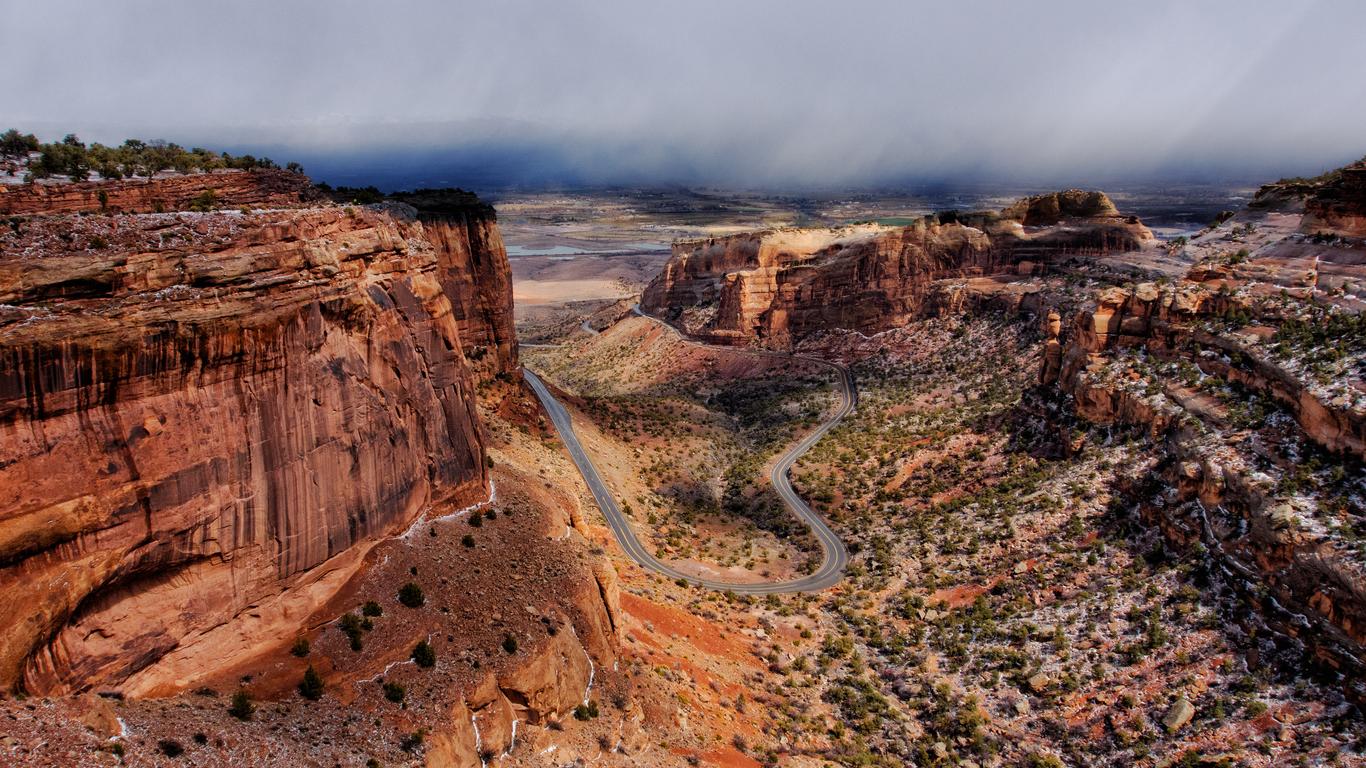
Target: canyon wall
(233,189)
(207,419)
(1339,207)
(475,274)
(776,287)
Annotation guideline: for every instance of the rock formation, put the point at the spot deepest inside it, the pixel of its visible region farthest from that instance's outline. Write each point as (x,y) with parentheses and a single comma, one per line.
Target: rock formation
(474,273)
(1190,360)
(1339,205)
(207,419)
(545,687)
(231,189)
(776,287)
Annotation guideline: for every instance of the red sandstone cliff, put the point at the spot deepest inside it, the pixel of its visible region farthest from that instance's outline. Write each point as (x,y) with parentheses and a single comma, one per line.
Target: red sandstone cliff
(776,287)
(1339,206)
(475,274)
(207,419)
(259,188)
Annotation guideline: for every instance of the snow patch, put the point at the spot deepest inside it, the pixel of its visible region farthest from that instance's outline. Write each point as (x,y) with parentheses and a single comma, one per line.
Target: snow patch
(423,520)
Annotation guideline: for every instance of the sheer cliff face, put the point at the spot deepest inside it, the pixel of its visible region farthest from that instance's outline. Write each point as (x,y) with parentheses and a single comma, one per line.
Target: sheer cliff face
(477,278)
(207,419)
(776,287)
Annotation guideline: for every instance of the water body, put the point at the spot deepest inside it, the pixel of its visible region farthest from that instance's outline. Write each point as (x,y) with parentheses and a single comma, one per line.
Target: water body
(525,251)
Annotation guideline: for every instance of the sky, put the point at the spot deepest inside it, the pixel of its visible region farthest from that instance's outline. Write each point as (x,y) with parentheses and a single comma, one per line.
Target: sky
(745,94)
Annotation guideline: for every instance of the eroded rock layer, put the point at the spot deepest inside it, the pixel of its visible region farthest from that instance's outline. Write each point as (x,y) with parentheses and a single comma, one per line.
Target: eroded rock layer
(1246,372)
(206,420)
(776,287)
(261,187)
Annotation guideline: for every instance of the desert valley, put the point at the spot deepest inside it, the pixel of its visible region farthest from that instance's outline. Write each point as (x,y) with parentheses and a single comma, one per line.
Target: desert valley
(280,490)
(657,385)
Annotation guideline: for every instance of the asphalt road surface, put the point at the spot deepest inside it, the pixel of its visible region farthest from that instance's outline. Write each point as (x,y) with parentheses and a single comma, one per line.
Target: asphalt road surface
(836,557)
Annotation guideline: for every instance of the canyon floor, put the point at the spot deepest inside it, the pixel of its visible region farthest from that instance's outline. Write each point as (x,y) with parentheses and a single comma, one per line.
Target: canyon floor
(1011,600)
(1003,607)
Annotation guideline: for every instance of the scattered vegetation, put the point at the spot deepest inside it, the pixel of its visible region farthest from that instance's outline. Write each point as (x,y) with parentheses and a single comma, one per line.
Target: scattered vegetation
(72,158)
(424,655)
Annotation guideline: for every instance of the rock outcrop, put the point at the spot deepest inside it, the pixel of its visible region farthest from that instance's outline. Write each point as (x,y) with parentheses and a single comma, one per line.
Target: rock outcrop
(1248,382)
(1173,322)
(207,419)
(475,274)
(1338,206)
(544,687)
(778,286)
(231,189)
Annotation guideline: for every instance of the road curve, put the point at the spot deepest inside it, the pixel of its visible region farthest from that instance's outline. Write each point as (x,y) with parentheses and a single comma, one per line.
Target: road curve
(836,557)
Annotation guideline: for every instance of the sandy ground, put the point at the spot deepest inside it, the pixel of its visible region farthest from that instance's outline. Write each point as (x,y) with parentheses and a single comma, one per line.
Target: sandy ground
(562,291)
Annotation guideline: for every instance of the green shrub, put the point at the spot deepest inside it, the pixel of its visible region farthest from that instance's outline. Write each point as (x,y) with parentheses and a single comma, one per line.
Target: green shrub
(467,540)
(394,692)
(204,201)
(14,144)
(241,706)
(509,643)
(412,741)
(352,626)
(372,608)
(424,654)
(301,647)
(311,687)
(411,595)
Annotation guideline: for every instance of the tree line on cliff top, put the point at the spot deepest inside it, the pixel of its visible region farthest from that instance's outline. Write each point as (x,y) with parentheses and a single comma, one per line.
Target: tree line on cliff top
(72,158)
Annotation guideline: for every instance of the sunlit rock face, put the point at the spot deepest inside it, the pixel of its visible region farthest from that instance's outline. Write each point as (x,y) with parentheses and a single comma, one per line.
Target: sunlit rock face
(207,419)
(778,286)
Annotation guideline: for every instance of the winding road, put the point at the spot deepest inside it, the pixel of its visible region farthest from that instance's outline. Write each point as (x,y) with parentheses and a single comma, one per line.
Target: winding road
(836,557)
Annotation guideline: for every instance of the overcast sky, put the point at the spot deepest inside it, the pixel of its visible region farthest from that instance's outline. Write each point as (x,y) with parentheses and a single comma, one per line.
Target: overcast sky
(725,92)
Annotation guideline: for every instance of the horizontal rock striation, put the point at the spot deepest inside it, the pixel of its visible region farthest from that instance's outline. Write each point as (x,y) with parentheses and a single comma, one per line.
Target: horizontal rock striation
(1179,360)
(776,287)
(233,189)
(475,273)
(1173,322)
(207,419)
(1338,206)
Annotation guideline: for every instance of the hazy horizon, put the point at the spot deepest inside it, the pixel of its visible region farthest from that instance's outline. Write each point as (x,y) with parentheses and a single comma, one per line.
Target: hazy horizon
(762,95)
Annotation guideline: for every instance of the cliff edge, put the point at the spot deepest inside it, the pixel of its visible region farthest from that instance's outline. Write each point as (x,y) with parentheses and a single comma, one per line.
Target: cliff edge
(209,418)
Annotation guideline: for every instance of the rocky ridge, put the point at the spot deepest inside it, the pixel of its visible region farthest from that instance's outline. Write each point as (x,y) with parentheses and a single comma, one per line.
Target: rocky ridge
(262,188)
(776,287)
(1246,370)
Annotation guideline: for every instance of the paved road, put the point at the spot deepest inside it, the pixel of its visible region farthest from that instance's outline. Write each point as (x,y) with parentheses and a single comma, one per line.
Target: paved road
(836,557)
